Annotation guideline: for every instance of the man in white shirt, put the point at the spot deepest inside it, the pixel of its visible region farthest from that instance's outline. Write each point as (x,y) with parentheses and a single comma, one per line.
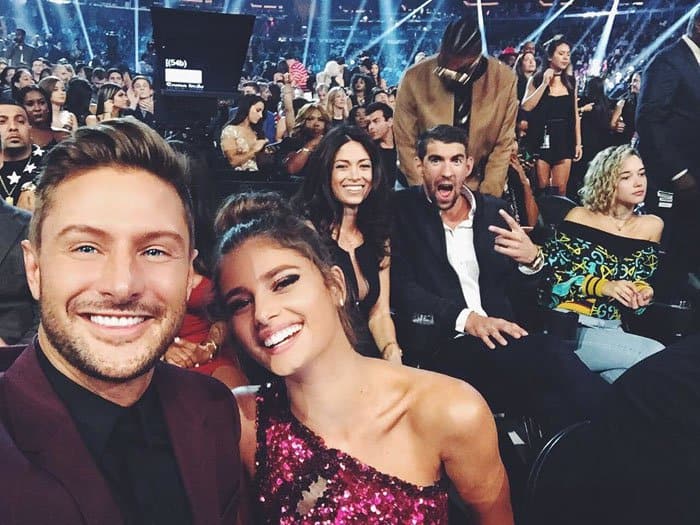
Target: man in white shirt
(450,286)
(668,123)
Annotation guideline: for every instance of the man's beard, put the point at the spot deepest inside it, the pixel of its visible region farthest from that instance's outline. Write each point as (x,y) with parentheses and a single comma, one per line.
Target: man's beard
(76,351)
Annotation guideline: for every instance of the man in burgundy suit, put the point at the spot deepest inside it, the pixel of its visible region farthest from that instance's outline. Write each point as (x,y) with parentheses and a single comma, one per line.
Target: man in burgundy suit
(94,428)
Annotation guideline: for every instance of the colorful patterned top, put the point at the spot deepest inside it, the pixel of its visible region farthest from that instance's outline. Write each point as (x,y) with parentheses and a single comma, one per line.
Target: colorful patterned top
(300,481)
(580,259)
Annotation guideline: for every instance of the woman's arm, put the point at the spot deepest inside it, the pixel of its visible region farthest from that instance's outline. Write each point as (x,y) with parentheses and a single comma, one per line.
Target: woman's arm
(578,150)
(287,99)
(235,155)
(533,95)
(296,160)
(469,453)
(616,114)
(381,325)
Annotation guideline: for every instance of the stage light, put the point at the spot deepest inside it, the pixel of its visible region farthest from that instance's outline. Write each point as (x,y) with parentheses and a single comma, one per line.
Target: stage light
(482,29)
(654,47)
(79,12)
(638,31)
(309,27)
(137,61)
(426,29)
(401,22)
(42,14)
(596,63)
(358,13)
(535,35)
(324,33)
(387,16)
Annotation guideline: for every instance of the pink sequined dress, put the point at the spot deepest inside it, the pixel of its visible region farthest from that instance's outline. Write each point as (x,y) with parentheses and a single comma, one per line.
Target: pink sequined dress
(301,481)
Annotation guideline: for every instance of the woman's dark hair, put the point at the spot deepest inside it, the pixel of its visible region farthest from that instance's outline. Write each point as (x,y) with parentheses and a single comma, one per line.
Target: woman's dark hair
(106,92)
(78,98)
(518,66)
(15,78)
(197,170)
(4,80)
(602,110)
(317,202)
(568,80)
(352,115)
(275,97)
(357,76)
(252,215)
(244,104)
(23,92)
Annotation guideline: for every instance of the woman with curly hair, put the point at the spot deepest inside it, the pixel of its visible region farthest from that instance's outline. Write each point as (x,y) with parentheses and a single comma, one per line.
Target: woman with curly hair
(346,197)
(600,262)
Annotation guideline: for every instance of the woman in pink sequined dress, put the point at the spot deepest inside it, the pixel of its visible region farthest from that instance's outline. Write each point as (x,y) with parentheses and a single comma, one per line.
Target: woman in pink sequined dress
(341,438)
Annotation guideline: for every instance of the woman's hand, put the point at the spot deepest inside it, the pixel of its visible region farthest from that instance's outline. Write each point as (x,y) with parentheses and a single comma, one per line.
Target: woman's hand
(547,76)
(109,105)
(185,354)
(259,145)
(645,296)
(586,108)
(578,153)
(514,243)
(624,292)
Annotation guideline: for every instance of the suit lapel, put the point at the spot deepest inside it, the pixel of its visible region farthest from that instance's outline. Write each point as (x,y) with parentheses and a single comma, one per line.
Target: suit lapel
(44,430)
(431,225)
(193,445)
(9,233)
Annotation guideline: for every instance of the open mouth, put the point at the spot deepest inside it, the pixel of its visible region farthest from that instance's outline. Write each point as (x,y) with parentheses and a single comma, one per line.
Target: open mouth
(280,337)
(444,189)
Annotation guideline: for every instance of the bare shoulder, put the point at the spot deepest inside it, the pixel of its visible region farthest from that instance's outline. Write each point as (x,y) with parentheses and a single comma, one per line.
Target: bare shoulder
(652,227)
(445,406)
(580,215)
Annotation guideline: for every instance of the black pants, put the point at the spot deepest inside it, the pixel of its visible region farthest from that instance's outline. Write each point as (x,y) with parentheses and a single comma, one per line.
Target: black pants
(538,375)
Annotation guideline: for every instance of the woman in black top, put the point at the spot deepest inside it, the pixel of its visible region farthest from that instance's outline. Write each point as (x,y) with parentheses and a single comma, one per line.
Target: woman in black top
(554,130)
(623,120)
(346,197)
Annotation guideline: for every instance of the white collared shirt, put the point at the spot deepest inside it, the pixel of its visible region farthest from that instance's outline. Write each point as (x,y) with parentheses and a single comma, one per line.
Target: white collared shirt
(462,257)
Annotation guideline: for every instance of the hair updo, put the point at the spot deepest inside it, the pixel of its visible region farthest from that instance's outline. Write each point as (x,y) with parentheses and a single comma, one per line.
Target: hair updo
(267,215)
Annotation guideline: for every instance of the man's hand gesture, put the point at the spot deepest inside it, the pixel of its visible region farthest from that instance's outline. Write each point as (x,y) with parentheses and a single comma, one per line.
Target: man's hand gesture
(515,242)
(488,328)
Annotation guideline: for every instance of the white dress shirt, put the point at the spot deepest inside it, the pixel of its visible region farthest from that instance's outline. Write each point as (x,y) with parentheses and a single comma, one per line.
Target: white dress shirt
(462,257)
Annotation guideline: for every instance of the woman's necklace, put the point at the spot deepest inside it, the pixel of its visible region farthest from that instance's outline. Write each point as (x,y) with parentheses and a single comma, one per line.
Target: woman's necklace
(616,221)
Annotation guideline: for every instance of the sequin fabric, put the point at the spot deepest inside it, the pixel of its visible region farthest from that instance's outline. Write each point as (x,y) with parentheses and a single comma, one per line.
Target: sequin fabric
(301,481)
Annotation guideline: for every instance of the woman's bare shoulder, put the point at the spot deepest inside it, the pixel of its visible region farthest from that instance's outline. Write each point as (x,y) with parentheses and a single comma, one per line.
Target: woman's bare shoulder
(246,399)
(652,226)
(443,404)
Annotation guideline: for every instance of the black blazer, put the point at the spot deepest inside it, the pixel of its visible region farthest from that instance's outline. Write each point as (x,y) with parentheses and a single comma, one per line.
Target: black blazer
(668,115)
(19,313)
(423,283)
(47,474)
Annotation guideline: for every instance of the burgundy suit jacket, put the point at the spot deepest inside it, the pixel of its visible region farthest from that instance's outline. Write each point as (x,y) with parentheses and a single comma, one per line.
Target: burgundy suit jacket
(47,474)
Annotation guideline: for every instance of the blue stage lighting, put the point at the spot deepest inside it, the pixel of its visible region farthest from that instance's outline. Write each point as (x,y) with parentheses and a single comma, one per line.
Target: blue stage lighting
(309,28)
(596,64)
(358,14)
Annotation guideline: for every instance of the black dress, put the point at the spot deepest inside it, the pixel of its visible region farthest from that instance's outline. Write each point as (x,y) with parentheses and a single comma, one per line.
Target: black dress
(552,128)
(361,308)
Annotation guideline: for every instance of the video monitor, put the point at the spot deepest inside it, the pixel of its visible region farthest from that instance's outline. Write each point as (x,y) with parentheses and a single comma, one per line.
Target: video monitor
(199,53)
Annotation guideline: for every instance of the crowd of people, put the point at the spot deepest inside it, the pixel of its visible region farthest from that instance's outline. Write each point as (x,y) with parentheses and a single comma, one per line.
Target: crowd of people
(370,324)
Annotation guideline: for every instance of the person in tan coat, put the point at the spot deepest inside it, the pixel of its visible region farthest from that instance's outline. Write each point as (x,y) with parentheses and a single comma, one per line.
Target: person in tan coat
(460,87)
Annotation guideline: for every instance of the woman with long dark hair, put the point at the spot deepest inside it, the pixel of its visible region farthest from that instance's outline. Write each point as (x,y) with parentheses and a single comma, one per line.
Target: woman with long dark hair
(346,197)
(22,77)
(525,67)
(112,102)
(62,118)
(242,138)
(78,98)
(623,120)
(360,89)
(554,130)
(336,436)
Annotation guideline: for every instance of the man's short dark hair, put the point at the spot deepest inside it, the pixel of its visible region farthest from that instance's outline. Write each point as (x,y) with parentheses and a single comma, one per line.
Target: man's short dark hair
(125,143)
(21,31)
(378,91)
(114,70)
(142,77)
(99,73)
(253,84)
(380,106)
(441,133)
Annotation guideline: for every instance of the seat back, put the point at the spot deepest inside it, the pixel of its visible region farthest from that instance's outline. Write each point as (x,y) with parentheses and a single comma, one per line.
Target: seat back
(553,208)
(562,479)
